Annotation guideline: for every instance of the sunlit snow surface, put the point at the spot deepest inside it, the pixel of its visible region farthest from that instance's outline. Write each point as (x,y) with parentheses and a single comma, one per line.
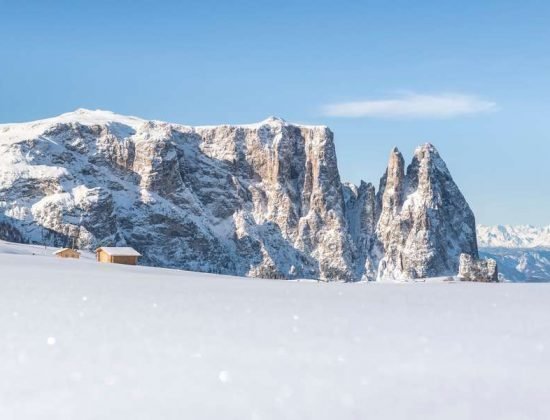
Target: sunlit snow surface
(82,340)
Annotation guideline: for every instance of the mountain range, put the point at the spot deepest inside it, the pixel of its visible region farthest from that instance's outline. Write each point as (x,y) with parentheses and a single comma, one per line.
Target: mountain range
(522,252)
(261,200)
(506,236)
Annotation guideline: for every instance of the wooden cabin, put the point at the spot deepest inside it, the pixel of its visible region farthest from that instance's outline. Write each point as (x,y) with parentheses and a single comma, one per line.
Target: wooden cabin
(117,255)
(67,253)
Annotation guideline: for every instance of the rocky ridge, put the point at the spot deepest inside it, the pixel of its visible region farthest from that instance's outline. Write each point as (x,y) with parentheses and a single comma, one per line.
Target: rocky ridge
(263,200)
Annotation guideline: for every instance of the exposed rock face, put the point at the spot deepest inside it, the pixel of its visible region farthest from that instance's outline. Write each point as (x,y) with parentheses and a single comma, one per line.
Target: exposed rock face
(361,217)
(472,269)
(424,223)
(260,200)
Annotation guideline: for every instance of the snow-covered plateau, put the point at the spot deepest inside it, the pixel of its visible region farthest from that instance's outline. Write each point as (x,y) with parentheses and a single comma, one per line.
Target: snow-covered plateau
(83,340)
(258,200)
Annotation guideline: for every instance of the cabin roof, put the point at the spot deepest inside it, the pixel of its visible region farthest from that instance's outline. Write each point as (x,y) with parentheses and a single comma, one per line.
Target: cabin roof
(59,251)
(119,251)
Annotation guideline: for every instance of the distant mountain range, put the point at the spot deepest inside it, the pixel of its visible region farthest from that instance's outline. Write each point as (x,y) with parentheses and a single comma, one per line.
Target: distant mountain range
(522,252)
(506,236)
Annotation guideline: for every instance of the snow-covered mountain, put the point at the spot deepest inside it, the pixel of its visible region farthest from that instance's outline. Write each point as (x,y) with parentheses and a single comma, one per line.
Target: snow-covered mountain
(261,200)
(424,221)
(521,264)
(513,236)
(522,252)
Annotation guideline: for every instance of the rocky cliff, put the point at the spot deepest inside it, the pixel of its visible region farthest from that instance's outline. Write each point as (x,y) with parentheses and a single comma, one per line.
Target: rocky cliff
(424,222)
(261,200)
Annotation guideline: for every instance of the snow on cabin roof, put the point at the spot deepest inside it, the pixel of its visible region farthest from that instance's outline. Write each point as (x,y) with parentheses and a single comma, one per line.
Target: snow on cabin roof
(59,251)
(119,251)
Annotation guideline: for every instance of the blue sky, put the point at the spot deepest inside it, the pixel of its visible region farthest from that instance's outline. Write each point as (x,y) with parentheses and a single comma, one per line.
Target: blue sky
(471,77)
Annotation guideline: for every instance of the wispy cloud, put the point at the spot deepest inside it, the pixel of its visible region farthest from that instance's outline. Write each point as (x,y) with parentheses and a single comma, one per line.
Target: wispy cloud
(413,105)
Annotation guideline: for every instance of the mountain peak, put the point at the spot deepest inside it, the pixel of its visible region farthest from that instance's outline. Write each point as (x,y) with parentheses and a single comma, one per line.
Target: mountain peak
(426,148)
(87,111)
(273,120)
(414,217)
(85,115)
(427,155)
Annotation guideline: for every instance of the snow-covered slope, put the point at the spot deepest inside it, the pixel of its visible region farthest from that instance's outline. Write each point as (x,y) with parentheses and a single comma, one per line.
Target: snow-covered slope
(263,200)
(87,341)
(13,248)
(506,236)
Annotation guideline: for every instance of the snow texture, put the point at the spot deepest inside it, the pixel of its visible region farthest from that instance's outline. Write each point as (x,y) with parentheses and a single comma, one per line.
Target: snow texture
(260,200)
(90,341)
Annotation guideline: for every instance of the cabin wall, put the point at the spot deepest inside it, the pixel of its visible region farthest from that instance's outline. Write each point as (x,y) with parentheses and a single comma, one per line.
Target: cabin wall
(103,257)
(123,259)
(68,254)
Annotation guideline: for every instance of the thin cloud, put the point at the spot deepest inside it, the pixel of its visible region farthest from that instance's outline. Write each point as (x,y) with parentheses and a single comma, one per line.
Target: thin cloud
(438,106)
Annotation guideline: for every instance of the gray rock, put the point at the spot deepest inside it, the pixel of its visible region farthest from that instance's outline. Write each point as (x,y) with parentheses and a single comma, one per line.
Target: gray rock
(424,222)
(482,270)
